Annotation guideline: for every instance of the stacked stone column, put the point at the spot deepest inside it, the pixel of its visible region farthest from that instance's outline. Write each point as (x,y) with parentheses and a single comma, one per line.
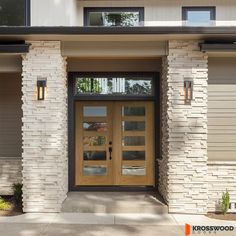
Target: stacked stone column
(44,129)
(183,168)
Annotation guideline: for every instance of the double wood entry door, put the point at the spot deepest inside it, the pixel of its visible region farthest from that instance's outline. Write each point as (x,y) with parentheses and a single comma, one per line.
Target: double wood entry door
(114,143)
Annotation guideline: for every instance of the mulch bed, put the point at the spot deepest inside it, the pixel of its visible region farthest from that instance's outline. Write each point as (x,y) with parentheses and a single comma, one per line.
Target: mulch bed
(220,216)
(14,210)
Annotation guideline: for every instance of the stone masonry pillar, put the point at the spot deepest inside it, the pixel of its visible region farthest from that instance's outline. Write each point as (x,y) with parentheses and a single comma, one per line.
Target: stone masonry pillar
(44,129)
(183,168)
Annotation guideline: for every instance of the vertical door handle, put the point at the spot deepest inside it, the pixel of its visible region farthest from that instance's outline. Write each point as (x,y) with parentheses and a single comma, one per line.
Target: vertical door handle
(110,151)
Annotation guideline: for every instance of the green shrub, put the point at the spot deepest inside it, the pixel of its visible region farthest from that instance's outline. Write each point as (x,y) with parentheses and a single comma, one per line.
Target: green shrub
(17,193)
(4,206)
(225,202)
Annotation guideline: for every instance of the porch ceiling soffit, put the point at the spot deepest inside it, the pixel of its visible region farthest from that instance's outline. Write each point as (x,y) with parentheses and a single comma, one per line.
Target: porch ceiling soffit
(114,49)
(117,33)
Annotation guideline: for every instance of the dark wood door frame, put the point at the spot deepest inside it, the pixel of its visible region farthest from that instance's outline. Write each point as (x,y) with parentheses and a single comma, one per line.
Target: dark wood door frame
(72,99)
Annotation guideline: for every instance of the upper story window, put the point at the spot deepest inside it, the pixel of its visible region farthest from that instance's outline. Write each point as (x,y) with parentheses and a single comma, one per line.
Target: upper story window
(199,16)
(14,12)
(114,16)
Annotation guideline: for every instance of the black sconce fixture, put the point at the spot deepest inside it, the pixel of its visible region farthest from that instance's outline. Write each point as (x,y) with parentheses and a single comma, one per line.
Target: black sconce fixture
(188,91)
(41,87)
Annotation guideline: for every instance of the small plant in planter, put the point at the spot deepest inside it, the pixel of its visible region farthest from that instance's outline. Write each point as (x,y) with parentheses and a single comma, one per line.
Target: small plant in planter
(4,205)
(17,194)
(225,201)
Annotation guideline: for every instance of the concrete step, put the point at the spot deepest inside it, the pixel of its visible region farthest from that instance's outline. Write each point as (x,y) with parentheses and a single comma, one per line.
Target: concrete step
(114,202)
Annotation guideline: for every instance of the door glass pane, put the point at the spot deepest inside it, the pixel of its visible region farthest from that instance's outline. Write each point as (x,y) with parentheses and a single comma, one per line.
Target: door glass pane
(133,111)
(94,141)
(133,125)
(133,141)
(95,170)
(133,170)
(95,126)
(94,155)
(91,111)
(133,155)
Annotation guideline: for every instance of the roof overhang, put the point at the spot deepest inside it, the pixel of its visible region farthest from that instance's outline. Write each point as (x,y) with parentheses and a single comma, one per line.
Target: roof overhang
(112,33)
(218,47)
(14,47)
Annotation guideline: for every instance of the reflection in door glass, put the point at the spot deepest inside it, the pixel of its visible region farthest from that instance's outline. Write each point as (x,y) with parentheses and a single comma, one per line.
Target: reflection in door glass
(133,155)
(133,141)
(95,170)
(94,141)
(93,111)
(95,126)
(133,170)
(133,125)
(133,111)
(94,155)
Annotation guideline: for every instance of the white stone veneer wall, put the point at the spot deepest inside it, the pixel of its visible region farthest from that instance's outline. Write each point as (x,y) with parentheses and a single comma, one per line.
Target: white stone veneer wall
(221,176)
(10,173)
(44,129)
(183,169)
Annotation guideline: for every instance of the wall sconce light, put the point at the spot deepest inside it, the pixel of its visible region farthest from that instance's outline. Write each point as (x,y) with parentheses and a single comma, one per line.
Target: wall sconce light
(188,91)
(41,87)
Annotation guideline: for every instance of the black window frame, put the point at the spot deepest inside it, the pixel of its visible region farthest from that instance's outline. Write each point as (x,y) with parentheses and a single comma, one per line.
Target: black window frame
(87,10)
(27,14)
(72,99)
(104,97)
(211,9)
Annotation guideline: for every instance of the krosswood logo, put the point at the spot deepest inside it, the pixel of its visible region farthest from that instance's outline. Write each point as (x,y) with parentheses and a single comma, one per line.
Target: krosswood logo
(207,229)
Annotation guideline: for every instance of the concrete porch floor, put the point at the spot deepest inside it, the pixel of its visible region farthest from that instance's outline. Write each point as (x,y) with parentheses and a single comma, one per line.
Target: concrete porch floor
(114,202)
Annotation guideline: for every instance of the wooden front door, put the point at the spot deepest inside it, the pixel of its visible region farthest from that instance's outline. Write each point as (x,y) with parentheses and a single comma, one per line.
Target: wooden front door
(114,143)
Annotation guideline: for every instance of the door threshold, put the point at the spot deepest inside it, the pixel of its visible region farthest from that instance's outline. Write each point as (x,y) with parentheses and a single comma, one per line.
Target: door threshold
(114,188)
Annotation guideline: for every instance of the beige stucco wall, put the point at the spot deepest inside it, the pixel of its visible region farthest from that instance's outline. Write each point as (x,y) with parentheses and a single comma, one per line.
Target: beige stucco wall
(113,65)
(70,12)
(114,49)
(222,109)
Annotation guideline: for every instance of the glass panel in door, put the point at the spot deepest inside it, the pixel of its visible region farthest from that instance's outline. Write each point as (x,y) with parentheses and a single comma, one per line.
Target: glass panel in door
(93,132)
(134,149)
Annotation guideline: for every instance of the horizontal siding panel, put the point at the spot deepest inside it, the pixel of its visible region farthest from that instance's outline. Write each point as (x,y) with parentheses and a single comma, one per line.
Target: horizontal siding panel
(221,98)
(222,138)
(222,87)
(221,155)
(211,144)
(222,109)
(229,121)
(222,148)
(221,131)
(222,104)
(221,115)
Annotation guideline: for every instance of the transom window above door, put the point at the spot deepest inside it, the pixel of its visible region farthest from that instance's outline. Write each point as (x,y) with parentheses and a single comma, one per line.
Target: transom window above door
(199,16)
(114,85)
(114,16)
